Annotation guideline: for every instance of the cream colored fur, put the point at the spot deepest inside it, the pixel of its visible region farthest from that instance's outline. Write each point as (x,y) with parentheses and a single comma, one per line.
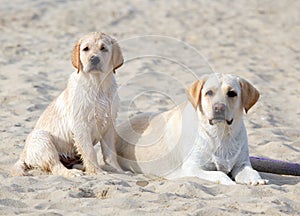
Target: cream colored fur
(81,116)
(192,139)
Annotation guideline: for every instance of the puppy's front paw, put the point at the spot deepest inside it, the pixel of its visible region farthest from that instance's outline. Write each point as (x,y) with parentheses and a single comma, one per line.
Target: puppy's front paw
(74,173)
(112,169)
(94,170)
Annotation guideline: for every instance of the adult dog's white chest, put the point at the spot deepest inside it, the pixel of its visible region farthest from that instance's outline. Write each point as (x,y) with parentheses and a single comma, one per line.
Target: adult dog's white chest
(218,149)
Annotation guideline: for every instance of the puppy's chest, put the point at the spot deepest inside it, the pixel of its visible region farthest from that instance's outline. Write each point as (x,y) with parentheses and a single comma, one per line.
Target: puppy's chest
(101,111)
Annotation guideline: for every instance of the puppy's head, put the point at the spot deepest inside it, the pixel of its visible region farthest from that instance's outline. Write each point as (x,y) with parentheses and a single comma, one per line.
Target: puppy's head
(221,98)
(97,52)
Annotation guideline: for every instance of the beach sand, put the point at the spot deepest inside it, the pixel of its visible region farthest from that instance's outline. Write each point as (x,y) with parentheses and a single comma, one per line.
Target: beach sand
(258,40)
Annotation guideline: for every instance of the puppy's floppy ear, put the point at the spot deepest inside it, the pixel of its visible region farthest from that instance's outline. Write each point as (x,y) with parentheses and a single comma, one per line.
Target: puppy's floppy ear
(193,92)
(76,57)
(250,94)
(117,57)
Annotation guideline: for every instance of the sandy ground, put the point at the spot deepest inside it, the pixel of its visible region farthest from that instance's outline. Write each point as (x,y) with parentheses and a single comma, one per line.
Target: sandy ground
(258,40)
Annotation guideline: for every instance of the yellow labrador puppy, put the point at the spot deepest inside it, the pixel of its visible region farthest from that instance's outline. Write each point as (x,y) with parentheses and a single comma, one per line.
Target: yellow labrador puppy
(82,115)
(204,137)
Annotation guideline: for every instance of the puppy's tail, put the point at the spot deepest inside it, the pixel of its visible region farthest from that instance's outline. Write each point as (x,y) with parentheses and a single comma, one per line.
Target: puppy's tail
(20,168)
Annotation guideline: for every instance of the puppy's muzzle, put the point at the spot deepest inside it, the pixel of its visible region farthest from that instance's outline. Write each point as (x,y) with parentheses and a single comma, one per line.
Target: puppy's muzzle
(219,114)
(94,60)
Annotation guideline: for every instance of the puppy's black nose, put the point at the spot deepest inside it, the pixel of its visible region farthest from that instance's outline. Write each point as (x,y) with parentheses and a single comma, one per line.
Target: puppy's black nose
(219,108)
(95,60)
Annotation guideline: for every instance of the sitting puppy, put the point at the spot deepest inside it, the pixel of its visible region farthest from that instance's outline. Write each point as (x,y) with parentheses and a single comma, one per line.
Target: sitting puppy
(81,116)
(204,137)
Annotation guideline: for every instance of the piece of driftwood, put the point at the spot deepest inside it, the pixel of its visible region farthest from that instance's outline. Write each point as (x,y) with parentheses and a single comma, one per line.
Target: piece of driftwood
(275,166)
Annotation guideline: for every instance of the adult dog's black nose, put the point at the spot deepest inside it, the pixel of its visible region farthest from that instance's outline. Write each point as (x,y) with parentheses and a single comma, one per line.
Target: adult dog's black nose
(95,60)
(219,108)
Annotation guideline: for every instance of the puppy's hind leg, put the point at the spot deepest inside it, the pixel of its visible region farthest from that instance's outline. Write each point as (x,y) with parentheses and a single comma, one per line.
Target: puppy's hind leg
(20,167)
(40,152)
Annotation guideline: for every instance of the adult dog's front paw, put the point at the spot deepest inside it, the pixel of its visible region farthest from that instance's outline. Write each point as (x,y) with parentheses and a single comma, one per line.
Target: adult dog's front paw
(222,178)
(256,182)
(249,176)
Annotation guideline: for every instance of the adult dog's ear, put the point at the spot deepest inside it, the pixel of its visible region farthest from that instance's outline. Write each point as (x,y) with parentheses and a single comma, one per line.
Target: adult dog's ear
(250,94)
(117,57)
(76,57)
(193,92)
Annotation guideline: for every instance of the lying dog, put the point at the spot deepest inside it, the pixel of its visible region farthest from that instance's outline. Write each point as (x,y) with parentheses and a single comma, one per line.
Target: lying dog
(204,137)
(81,116)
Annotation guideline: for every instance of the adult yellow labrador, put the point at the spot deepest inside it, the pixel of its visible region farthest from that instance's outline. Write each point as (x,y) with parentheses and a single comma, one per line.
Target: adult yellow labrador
(81,116)
(204,137)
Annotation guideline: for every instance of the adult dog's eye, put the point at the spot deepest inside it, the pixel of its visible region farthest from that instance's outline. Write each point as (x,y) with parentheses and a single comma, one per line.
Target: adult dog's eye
(86,49)
(103,49)
(209,93)
(231,94)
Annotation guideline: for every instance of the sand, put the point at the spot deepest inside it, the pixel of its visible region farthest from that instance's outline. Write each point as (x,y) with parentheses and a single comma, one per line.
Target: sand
(258,40)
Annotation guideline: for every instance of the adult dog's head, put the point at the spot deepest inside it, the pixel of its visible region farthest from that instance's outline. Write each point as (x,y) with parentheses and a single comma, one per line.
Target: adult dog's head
(221,98)
(97,52)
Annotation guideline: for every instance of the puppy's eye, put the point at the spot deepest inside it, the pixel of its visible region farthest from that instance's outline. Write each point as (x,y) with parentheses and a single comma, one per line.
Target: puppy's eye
(86,49)
(231,94)
(209,93)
